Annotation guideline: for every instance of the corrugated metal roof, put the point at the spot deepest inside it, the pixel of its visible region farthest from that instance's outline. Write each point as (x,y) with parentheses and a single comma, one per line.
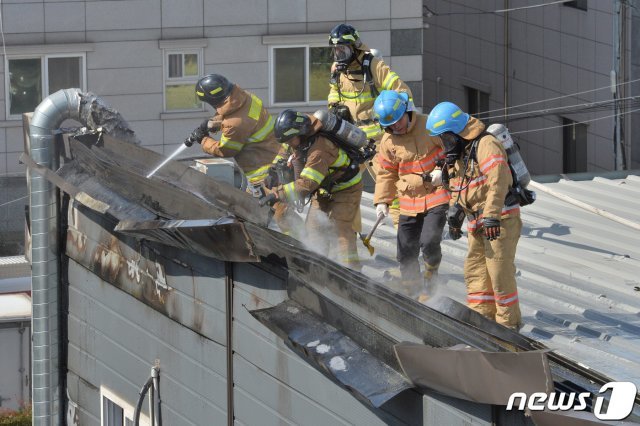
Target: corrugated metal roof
(104,178)
(578,272)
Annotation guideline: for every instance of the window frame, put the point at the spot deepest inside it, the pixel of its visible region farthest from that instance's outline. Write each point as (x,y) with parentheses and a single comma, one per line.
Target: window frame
(479,96)
(128,410)
(44,77)
(575,136)
(168,81)
(307,41)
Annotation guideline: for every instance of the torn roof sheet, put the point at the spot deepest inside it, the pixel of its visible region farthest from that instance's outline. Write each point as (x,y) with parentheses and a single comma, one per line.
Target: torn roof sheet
(578,272)
(178,192)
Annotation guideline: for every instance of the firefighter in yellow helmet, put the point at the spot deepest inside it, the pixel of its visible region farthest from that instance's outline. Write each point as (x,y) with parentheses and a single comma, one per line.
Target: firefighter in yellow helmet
(247,136)
(408,159)
(480,183)
(357,79)
(324,171)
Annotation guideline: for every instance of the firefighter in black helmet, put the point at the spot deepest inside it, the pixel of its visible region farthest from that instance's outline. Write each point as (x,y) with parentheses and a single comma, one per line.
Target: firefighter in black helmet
(213,89)
(345,41)
(325,172)
(358,77)
(291,123)
(247,135)
(247,127)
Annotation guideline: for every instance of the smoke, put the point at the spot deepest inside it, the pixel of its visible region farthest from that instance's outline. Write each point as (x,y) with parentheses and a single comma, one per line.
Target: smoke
(320,233)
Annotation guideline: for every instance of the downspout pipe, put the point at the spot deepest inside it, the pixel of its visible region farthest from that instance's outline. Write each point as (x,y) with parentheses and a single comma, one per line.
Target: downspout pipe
(46,119)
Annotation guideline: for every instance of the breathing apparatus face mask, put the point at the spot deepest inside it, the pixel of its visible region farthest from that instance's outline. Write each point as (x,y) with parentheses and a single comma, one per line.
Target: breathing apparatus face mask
(342,54)
(453,147)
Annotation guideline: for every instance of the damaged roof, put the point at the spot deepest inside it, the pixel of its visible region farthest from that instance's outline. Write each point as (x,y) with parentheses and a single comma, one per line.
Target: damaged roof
(578,271)
(107,176)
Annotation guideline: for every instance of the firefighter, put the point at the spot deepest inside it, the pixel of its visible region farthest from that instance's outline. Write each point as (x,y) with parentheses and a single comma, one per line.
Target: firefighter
(357,78)
(327,174)
(247,136)
(480,182)
(407,160)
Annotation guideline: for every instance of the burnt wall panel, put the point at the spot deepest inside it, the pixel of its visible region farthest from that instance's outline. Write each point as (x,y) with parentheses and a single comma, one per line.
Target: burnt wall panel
(159,276)
(114,340)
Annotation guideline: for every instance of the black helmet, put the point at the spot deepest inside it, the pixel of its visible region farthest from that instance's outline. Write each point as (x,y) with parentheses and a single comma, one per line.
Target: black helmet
(344,34)
(213,89)
(345,40)
(291,123)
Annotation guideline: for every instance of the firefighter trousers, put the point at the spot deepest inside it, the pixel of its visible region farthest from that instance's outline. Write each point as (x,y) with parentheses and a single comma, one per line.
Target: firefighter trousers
(330,225)
(420,233)
(490,274)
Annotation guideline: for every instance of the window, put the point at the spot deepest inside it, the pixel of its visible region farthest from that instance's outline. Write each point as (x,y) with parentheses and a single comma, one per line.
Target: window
(574,143)
(477,100)
(31,79)
(112,413)
(578,4)
(116,411)
(182,69)
(300,74)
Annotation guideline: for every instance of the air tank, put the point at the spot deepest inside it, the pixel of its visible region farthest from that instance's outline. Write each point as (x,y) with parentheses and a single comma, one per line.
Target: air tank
(519,167)
(347,132)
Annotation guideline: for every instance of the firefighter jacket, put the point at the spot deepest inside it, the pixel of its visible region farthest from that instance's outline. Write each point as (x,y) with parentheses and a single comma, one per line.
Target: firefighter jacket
(350,89)
(247,135)
(488,177)
(324,168)
(403,160)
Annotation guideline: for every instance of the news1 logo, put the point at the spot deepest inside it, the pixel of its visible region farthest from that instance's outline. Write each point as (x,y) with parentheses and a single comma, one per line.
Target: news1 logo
(623,395)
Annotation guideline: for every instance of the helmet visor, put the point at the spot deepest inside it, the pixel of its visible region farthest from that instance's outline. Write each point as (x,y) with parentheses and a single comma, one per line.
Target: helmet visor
(342,53)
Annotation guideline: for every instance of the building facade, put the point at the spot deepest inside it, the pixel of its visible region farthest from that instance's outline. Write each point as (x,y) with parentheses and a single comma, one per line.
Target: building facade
(549,65)
(144,56)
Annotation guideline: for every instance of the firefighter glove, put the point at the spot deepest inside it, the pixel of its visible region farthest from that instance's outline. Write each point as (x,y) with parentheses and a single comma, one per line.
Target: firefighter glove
(270,181)
(436,177)
(268,200)
(196,136)
(491,228)
(382,209)
(214,125)
(455,216)
(455,233)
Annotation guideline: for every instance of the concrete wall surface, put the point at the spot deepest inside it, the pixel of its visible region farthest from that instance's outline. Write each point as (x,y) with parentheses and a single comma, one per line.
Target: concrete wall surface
(558,58)
(123,44)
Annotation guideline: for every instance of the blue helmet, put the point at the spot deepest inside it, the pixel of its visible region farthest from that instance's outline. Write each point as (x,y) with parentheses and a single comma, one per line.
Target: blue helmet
(389,107)
(446,117)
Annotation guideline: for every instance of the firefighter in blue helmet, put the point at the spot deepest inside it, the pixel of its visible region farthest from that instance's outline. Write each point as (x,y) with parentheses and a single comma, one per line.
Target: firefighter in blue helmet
(407,167)
(480,182)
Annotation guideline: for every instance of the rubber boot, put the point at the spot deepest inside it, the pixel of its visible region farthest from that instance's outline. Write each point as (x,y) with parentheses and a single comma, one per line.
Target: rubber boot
(430,282)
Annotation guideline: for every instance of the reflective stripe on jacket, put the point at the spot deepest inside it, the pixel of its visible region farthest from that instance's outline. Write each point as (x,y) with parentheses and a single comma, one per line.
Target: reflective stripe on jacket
(247,135)
(488,178)
(324,160)
(403,161)
(357,96)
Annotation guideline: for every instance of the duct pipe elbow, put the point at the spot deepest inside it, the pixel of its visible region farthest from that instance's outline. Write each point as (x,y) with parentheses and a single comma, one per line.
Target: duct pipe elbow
(56,108)
(47,117)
